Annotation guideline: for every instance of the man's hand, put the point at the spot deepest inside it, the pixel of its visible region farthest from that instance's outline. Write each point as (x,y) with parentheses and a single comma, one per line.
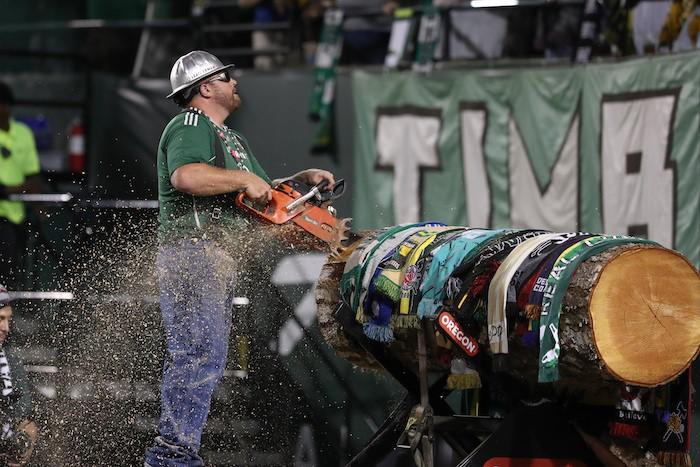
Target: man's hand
(257,189)
(315,176)
(31,184)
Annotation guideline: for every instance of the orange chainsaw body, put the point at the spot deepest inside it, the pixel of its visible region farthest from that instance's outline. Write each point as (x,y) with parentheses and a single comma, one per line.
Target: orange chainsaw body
(316,220)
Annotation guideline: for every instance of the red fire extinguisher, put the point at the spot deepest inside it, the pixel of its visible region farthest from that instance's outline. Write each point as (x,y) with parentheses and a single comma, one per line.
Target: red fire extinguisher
(76,147)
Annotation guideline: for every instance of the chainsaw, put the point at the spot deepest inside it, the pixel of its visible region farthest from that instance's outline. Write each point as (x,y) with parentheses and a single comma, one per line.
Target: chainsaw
(308,207)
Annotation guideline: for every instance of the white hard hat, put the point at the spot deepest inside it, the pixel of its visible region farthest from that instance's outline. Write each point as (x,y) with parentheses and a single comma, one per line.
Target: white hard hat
(194,67)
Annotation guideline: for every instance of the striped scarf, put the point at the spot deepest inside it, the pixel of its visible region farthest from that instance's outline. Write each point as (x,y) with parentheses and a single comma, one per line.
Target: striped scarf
(557,283)
(7,390)
(5,374)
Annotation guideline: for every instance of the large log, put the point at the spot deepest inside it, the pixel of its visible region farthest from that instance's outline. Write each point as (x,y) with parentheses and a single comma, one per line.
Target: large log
(630,314)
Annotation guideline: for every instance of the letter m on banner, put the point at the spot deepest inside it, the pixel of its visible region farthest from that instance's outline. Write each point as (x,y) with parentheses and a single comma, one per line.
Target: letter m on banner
(553,205)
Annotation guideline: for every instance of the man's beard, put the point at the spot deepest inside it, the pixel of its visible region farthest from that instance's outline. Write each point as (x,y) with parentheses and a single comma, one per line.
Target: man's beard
(235,101)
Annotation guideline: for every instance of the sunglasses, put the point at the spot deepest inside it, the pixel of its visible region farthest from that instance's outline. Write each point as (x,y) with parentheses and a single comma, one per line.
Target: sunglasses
(223,76)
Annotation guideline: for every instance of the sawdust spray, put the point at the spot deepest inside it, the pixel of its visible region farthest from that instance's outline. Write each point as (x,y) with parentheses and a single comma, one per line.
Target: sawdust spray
(110,346)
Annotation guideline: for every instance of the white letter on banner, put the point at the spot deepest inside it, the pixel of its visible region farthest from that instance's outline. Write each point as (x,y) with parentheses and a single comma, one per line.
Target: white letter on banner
(472,124)
(554,206)
(407,142)
(637,174)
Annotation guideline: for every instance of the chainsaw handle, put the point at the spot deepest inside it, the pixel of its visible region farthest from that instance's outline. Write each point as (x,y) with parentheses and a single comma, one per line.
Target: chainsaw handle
(338,189)
(243,201)
(334,193)
(321,186)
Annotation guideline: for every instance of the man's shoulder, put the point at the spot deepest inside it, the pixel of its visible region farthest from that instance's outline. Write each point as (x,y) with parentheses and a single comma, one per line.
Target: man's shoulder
(188,121)
(191,118)
(20,129)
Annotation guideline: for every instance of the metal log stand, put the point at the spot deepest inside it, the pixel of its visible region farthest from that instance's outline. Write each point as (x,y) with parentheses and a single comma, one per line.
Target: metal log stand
(423,417)
(424,431)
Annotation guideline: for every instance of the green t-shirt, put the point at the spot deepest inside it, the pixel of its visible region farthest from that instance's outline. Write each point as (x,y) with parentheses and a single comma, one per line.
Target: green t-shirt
(189,138)
(18,160)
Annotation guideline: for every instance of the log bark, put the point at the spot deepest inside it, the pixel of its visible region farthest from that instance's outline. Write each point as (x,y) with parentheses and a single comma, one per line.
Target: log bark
(622,319)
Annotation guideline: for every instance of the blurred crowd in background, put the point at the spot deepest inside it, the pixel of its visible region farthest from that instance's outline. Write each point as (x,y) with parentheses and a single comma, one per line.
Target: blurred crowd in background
(277,33)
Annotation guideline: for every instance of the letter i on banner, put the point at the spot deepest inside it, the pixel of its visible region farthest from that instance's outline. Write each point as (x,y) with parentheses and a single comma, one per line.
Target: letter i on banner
(428,37)
(400,41)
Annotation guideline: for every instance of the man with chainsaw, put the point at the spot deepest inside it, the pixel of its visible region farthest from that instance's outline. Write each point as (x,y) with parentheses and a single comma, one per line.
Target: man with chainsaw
(202,164)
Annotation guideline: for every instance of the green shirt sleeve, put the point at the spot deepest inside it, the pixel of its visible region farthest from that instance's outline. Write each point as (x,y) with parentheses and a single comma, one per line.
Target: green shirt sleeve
(187,144)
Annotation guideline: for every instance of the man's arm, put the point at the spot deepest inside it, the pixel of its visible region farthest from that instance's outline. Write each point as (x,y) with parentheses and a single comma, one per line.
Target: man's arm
(200,179)
(32,184)
(28,163)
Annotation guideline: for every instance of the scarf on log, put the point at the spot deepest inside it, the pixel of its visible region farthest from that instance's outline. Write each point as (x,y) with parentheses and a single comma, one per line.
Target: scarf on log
(446,259)
(557,282)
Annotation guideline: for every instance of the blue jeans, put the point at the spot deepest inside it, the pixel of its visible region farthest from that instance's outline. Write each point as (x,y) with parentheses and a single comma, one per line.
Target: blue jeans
(196,281)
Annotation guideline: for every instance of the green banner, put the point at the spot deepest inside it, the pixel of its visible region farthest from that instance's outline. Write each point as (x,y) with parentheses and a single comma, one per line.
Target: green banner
(610,147)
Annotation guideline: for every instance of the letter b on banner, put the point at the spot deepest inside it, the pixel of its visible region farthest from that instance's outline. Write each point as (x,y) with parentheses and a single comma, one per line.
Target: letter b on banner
(637,175)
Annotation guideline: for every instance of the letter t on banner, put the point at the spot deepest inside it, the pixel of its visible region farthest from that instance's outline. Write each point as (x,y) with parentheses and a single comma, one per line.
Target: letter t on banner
(407,143)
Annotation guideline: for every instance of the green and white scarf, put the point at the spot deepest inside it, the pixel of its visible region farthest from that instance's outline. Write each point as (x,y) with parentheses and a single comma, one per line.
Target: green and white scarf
(496,304)
(557,283)
(428,38)
(323,93)
(400,42)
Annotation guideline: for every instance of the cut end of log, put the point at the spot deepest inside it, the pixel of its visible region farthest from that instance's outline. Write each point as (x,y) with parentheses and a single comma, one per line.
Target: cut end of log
(645,315)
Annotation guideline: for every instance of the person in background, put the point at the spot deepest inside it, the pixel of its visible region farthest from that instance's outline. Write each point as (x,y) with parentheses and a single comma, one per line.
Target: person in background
(19,169)
(201,163)
(266,12)
(311,15)
(366,36)
(19,433)
(681,27)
